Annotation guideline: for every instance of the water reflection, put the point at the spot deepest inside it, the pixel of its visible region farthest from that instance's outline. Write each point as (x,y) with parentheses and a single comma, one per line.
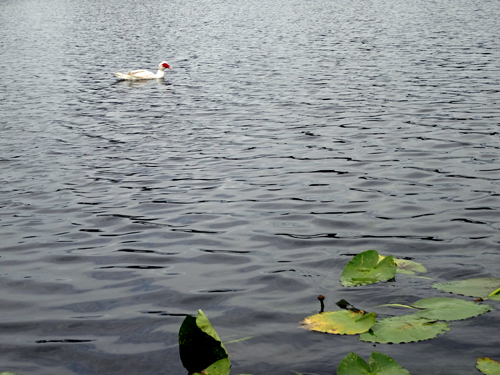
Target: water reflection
(142,84)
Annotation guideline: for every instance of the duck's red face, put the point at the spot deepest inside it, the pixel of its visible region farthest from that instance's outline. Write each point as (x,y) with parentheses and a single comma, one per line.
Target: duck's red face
(166,66)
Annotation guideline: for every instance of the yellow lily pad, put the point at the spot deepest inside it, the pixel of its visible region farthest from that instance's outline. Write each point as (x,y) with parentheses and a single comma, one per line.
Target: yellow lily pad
(340,322)
(488,366)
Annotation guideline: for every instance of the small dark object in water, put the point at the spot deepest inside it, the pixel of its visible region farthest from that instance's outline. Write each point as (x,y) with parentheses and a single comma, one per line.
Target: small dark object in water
(321,299)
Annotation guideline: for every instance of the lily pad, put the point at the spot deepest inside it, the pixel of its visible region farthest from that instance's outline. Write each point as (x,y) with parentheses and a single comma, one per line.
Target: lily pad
(199,345)
(380,364)
(343,304)
(406,328)
(405,266)
(367,268)
(442,308)
(488,366)
(483,287)
(221,367)
(340,322)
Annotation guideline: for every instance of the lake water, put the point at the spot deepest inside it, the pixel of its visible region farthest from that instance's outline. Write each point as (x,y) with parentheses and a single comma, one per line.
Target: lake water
(288,136)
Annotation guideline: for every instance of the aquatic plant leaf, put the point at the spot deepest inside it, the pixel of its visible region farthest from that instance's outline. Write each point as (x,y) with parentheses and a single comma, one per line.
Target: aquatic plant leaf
(199,344)
(343,304)
(405,266)
(221,367)
(486,366)
(353,364)
(384,365)
(482,287)
(443,308)
(409,267)
(367,268)
(406,328)
(340,322)
(380,364)
(495,295)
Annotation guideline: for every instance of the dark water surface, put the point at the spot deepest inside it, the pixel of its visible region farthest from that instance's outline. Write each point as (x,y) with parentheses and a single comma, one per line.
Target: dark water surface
(288,136)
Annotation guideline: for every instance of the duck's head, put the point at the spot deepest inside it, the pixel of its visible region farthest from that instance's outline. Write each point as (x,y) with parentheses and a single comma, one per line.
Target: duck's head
(164,65)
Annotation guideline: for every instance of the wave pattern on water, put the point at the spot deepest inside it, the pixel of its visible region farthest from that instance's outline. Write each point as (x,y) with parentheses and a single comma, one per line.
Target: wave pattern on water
(287,137)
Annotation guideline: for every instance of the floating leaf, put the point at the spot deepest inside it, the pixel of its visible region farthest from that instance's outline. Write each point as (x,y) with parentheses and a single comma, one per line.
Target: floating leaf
(353,364)
(221,367)
(406,328)
(405,266)
(385,365)
(199,344)
(484,287)
(367,268)
(442,308)
(340,322)
(343,304)
(487,366)
(380,364)
(495,295)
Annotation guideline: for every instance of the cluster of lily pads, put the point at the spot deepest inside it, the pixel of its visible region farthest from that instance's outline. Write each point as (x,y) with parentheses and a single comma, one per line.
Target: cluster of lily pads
(203,353)
(430,314)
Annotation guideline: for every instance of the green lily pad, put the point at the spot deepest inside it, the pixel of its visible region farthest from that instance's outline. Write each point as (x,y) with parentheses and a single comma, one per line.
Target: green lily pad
(406,328)
(442,308)
(380,364)
(221,367)
(483,287)
(405,266)
(340,322)
(199,345)
(367,268)
(353,364)
(488,366)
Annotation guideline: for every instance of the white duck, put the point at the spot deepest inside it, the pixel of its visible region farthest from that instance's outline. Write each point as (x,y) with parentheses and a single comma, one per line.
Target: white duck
(145,74)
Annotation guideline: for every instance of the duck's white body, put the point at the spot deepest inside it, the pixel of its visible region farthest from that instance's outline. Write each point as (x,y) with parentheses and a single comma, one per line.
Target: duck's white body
(145,74)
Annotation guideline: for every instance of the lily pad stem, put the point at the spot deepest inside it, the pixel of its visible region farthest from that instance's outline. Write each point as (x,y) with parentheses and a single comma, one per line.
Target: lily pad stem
(492,294)
(321,299)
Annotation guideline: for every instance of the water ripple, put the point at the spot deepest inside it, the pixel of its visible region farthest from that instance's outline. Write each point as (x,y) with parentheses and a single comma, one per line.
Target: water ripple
(287,138)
